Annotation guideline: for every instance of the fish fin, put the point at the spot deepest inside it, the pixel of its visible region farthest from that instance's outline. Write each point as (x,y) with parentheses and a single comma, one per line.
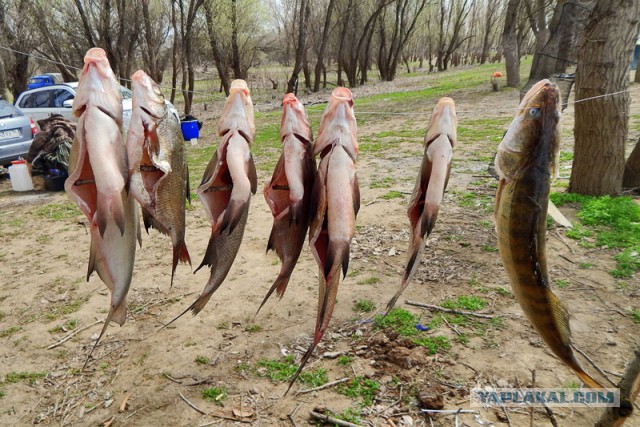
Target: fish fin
(280,284)
(119,316)
(303,362)
(180,253)
(138,231)
(107,207)
(92,259)
(188,185)
(232,215)
(337,251)
(147,218)
(252,174)
(356,195)
(296,212)
(408,275)
(271,239)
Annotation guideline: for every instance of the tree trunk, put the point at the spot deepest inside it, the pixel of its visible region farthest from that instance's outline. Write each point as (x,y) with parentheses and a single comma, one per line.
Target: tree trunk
(323,46)
(235,51)
(510,44)
(601,124)
(217,55)
(631,176)
(174,52)
(292,83)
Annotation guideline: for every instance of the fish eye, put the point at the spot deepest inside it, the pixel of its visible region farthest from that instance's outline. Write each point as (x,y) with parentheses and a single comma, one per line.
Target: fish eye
(535,112)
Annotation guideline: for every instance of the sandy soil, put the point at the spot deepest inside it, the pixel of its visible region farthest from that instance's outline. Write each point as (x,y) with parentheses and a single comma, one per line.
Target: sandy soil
(139,376)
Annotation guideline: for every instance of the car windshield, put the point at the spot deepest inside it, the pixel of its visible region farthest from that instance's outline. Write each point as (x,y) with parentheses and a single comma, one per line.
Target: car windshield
(8,110)
(36,80)
(126,93)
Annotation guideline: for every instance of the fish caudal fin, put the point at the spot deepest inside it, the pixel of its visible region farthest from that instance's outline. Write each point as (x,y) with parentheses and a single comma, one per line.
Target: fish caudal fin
(118,315)
(280,284)
(180,253)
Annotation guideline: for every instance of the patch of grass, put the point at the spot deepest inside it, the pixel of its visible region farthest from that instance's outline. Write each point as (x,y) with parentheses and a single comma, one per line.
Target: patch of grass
(202,360)
(364,306)
(344,360)
(65,308)
(2,394)
(385,182)
(314,378)
(360,388)
(434,344)
(489,248)
(566,156)
(69,325)
(57,211)
(635,315)
(400,320)
(503,292)
(242,367)
(252,328)
(393,195)
(464,302)
(10,331)
(628,263)
(31,377)
(561,283)
(223,325)
(216,395)
(585,265)
(369,281)
(350,415)
(282,370)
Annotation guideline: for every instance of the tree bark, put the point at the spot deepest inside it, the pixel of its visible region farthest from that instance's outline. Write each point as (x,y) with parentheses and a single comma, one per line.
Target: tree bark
(510,44)
(217,55)
(601,124)
(323,46)
(292,83)
(631,176)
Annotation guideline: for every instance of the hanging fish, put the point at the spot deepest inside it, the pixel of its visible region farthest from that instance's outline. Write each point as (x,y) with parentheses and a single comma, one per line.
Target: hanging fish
(527,159)
(288,194)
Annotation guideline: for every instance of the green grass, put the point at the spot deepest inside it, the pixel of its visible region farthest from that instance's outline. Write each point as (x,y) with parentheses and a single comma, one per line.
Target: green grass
(252,328)
(10,331)
(612,222)
(464,302)
(368,281)
(635,315)
(561,283)
(58,211)
(344,360)
(31,377)
(404,323)
(216,395)
(202,360)
(69,325)
(361,388)
(282,370)
(392,195)
(364,306)
(434,344)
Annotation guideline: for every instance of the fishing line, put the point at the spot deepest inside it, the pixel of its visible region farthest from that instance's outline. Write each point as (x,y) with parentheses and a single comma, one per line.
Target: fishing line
(43,58)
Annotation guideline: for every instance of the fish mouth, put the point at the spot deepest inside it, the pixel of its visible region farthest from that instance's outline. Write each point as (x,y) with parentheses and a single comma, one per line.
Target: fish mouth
(342,94)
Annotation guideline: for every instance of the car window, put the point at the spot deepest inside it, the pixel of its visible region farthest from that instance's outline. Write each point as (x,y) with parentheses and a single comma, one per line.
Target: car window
(41,99)
(8,110)
(61,95)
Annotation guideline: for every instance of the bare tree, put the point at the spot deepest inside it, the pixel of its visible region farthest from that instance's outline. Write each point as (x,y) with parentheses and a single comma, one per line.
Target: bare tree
(602,123)
(292,83)
(325,36)
(16,23)
(157,28)
(221,64)
(510,43)
(491,15)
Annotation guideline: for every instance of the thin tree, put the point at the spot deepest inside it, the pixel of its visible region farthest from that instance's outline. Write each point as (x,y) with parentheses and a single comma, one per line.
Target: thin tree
(218,57)
(292,83)
(601,124)
(323,45)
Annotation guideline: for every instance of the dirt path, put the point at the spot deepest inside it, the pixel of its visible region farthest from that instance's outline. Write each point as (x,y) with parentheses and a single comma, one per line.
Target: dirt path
(139,376)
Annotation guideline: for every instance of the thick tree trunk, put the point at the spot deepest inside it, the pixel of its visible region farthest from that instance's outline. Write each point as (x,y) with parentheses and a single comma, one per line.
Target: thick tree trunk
(602,123)
(292,83)
(174,52)
(631,176)
(510,44)
(217,55)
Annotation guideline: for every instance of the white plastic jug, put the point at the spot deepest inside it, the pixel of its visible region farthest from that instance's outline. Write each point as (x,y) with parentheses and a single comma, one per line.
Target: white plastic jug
(20,176)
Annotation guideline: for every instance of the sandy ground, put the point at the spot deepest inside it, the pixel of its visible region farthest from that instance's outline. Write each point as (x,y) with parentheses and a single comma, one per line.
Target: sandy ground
(139,376)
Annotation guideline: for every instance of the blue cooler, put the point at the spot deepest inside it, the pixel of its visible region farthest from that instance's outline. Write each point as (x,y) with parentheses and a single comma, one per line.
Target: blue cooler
(190,130)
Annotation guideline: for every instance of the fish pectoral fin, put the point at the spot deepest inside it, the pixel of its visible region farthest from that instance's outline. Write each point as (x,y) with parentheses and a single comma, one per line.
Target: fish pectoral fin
(110,206)
(188,185)
(337,251)
(356,195)
(92,258)
(232,215)
(252,174)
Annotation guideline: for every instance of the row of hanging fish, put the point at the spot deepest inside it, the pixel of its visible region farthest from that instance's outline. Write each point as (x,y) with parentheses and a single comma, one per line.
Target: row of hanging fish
(108,174)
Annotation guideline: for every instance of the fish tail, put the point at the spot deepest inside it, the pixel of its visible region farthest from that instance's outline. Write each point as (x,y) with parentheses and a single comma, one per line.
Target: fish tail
(180,253)
(303,362)
(405,282)
(337,251)
(232,215)
(176,318)
(117,315)
(588,380)
(280,284)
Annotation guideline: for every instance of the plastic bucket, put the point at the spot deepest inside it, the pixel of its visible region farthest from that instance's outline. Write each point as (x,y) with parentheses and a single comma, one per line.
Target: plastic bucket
(190,130)
(20,176)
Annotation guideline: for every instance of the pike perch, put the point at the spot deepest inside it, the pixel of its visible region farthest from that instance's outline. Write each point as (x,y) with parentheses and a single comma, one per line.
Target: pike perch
(159,175)
(526,161)
(288,194)
(97,182)
(229,180)
(335,202)
(432,181)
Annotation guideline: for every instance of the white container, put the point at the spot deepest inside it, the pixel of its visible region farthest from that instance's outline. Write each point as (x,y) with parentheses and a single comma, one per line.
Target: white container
(20,176)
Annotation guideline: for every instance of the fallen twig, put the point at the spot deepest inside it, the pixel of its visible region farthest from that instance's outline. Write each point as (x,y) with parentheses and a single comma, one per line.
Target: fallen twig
(603,373)
(72,334)
(332,420)
(293,413)
(322,387)
(449,310)
(191,404)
